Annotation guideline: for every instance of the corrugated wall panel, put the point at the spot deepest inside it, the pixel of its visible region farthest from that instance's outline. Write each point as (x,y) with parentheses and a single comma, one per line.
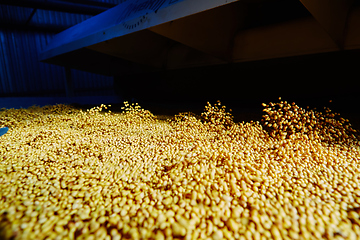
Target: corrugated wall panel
(62,19)
(12,13)
(20,71)
(6,82)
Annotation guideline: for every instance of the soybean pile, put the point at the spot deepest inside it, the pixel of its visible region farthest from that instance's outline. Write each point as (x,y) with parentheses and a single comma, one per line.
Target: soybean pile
(67,173)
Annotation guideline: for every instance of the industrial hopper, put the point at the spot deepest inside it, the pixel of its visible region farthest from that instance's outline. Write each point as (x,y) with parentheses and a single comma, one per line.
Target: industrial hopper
(150,35)
(170,48)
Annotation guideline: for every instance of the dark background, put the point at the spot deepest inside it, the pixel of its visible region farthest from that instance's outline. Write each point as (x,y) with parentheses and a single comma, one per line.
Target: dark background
(312,81)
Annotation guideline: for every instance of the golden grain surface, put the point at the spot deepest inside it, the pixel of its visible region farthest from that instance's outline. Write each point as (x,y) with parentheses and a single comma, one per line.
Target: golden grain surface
(72,174)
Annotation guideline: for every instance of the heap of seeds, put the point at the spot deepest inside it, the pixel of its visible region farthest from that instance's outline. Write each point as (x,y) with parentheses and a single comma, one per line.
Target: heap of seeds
(67,173)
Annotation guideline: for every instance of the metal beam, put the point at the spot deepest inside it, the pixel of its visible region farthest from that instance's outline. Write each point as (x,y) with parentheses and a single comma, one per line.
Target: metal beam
(124,19)
(170,34)
(332,16)
(57,6)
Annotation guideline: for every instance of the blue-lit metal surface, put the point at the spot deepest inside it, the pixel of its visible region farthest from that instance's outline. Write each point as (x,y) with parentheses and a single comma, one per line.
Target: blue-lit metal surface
(174,34)
(142,36)
(21,72)
(3,130)
(24,32)
(128,17)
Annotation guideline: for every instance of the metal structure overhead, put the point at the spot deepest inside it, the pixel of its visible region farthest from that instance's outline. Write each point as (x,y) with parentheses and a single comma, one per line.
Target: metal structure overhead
(50,16)
(90,8)
(152,35)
